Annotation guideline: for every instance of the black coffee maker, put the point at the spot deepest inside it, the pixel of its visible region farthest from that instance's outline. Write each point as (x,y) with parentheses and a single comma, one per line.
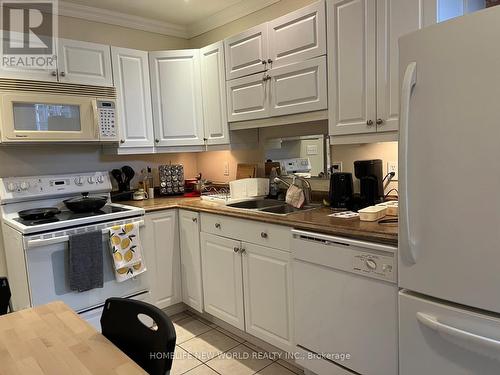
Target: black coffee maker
(371,189)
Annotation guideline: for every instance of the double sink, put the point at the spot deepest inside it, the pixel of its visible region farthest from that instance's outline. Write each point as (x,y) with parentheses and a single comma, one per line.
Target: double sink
(271,206)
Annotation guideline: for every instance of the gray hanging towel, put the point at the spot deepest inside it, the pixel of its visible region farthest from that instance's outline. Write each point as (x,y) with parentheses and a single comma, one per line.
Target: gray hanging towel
(85,261)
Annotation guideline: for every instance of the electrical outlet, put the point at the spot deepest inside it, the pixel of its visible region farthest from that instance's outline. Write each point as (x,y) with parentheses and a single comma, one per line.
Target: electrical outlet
(226,168)
(392,166)
(336,166)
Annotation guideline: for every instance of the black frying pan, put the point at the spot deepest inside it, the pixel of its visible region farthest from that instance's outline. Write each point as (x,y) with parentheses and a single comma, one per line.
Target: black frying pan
(39,213)
(86,203)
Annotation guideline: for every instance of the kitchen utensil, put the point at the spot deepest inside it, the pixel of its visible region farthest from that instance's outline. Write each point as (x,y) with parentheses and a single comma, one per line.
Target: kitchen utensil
(39,213)
(246,171)
(85,203)
(129,174)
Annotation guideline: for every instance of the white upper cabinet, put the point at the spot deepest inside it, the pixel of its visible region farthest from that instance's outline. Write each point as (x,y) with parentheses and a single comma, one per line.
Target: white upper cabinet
(300,87)
(131,75)
(177,97)
(395,18)
(246,53)
(351,60)
(213,84)
(363,60)
(298,36)
(248,98)
(84,63)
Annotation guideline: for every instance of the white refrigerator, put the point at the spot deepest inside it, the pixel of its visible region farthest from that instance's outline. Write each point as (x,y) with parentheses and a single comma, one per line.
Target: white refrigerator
(449,236)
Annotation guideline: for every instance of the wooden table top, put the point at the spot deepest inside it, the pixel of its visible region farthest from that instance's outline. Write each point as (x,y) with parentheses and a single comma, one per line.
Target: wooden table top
(53,340)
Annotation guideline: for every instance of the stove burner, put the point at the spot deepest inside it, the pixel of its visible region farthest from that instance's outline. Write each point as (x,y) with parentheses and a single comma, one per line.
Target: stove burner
(68,215)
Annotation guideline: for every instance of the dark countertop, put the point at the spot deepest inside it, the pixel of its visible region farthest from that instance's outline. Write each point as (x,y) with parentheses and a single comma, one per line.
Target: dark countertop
(316,220)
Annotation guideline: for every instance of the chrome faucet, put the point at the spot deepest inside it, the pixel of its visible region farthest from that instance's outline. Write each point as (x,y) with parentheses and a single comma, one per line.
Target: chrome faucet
(306,186)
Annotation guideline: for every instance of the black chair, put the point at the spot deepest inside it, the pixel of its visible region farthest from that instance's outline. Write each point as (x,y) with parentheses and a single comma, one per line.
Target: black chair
(151,347)
(4,296)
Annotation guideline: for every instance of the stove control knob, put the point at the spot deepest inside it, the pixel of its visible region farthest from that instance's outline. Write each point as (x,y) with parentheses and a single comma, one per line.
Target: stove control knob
(79,181)
(91,179)
(100,179)
(11,186)
(25,185)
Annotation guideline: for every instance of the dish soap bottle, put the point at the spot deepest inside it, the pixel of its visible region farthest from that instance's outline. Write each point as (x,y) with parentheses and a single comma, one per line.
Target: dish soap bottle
(273,186)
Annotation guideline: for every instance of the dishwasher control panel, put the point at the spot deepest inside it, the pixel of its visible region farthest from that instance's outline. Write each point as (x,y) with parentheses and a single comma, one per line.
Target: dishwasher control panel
(374,265)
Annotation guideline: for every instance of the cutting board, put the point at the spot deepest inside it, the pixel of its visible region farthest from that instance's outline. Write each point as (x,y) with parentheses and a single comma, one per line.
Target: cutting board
(246,171)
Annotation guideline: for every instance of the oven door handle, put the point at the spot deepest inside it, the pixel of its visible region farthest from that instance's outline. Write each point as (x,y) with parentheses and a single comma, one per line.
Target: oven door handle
(61,239)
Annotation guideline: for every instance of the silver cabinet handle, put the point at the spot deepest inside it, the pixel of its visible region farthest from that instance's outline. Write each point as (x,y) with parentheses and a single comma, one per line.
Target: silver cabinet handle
(157,140)
(263,234)
(63,74)
(269,61)
(236,249)
(369,122)
(217,225)
(122,141)
(379,121)
(243,251)
(264,62)
(194,219)
(53,73)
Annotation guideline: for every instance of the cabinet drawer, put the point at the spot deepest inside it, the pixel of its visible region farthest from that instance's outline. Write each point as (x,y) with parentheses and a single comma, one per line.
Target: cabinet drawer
(263,234)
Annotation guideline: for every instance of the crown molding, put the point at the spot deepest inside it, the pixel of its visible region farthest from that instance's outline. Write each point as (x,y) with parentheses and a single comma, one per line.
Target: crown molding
(227,15)
(121,19)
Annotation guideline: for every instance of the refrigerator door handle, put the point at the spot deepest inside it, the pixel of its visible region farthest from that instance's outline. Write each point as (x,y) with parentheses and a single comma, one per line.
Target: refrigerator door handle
(409,81)
(467,340)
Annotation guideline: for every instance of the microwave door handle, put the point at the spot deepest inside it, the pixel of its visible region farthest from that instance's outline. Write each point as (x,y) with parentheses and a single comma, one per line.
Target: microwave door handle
(56,240)
(96,119)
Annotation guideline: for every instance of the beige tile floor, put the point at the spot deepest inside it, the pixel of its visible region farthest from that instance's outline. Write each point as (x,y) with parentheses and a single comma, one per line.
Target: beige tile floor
(204,348)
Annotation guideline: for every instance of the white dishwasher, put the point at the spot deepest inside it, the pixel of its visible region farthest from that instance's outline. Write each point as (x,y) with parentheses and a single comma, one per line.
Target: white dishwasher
(345,297)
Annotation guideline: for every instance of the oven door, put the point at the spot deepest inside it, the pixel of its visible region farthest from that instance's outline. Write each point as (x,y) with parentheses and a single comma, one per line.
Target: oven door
(47,265)
(28,117)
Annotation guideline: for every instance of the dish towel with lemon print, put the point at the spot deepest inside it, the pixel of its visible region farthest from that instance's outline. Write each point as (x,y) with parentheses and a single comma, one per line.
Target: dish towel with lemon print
(126,251)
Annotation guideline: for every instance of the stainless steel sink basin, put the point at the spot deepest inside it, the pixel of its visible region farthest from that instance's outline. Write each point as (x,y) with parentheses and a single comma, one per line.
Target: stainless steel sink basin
(271,206)
(258,204)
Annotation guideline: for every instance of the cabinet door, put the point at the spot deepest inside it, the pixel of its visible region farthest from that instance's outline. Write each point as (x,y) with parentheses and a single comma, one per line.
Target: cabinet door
(162,241)
(177,98)
(351,64)
(268,295)
(131,73)
(222,279)
(298,36)
(246,53)
(84,63)
(26,72)
(213,84)
(299,87)
(248,98)
(395,18)
(189,229)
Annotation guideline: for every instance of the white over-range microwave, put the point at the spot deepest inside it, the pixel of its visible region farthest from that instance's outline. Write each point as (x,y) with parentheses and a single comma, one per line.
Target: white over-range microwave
(33,111)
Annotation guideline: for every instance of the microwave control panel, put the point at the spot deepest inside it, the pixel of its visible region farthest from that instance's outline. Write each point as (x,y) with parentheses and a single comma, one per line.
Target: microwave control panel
(106,117)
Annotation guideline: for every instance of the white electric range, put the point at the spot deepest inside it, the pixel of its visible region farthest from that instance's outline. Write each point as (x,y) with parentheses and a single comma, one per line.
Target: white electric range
(36,251)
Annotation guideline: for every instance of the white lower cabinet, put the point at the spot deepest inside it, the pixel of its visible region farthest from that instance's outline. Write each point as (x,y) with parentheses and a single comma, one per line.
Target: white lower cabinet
(189,236)
(161,238)
(267,289)
(248,286)
(222,279)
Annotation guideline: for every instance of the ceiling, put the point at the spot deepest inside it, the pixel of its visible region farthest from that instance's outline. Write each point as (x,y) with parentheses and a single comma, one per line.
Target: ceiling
(181,12)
